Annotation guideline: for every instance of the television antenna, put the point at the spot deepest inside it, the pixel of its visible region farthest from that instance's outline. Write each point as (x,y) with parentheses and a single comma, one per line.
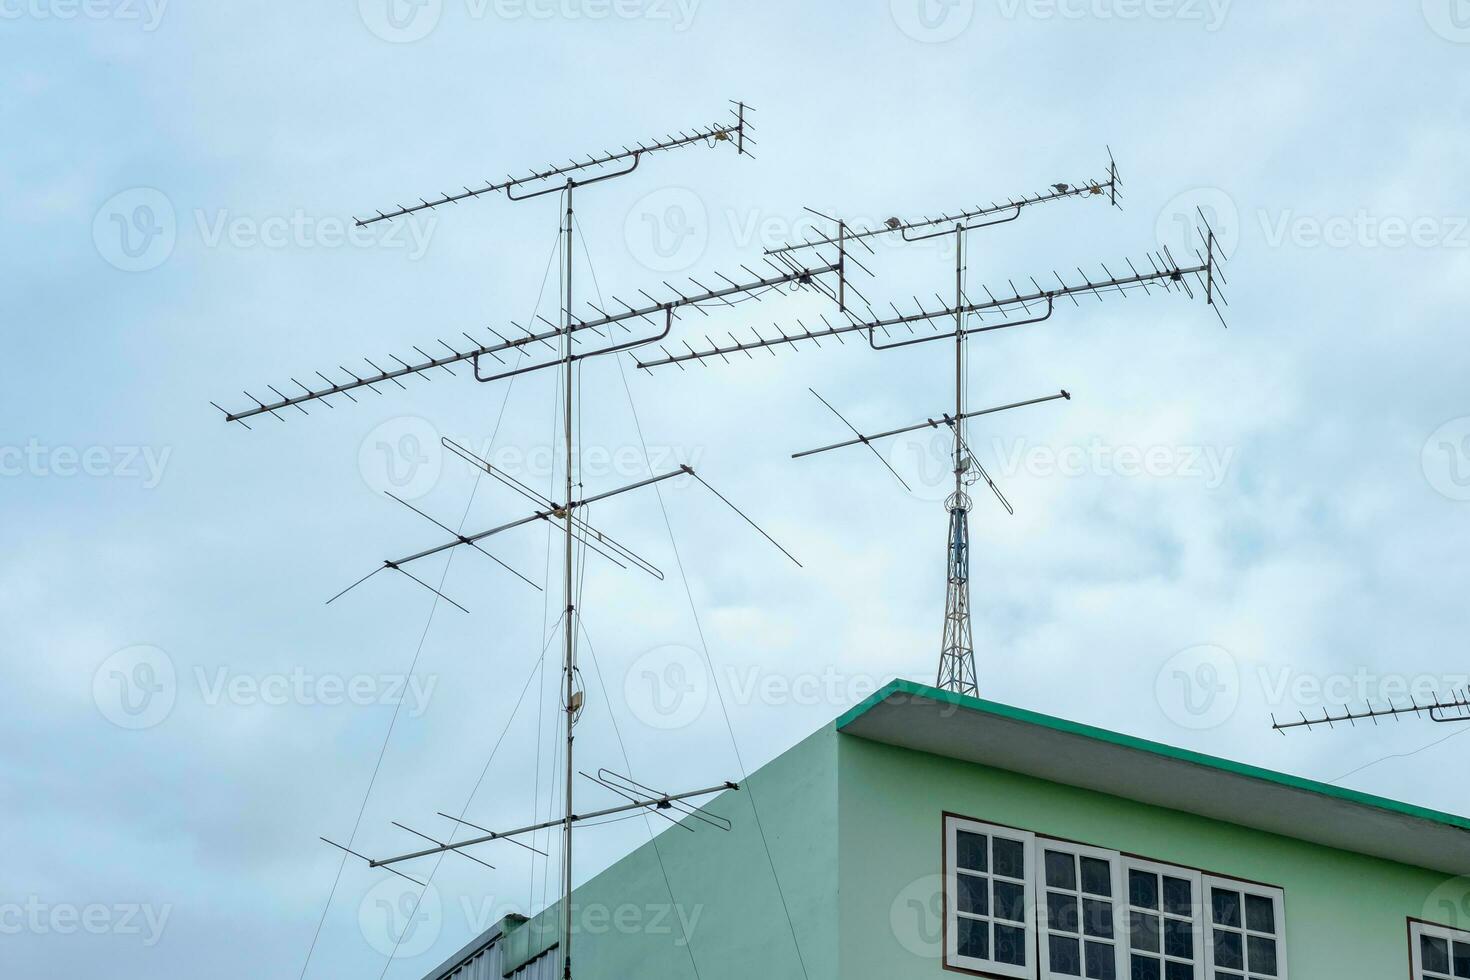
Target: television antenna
(568,344)
(1441,710)
(957,659)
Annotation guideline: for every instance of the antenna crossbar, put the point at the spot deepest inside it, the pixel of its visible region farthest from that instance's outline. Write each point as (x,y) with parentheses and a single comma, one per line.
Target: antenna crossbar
(1455,709)
(946,419)
(659,802)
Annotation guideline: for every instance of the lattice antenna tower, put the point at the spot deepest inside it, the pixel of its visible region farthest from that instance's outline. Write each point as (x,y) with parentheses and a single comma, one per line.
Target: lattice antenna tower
(965,317)
(568,342)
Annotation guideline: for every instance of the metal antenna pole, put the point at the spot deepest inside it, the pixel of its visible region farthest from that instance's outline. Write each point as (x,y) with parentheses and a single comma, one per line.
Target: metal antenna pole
(571,621)
(957,648)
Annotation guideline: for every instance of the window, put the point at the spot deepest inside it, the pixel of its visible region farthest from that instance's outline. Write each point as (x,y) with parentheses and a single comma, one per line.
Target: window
(1017,905)
(1164,940)
(989,926)
(1246,931)
(1079,925)
(1439,953)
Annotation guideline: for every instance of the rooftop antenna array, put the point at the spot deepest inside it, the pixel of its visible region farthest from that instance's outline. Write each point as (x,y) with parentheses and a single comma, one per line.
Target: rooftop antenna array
(535,348)
(1014,307)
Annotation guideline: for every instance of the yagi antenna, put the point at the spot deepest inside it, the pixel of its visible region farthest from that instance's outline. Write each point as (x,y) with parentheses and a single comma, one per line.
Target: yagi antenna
(516,350)
(958,319)
(1453,709)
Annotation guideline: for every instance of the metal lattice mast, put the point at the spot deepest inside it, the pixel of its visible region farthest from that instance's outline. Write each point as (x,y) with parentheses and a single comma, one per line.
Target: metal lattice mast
(957,647)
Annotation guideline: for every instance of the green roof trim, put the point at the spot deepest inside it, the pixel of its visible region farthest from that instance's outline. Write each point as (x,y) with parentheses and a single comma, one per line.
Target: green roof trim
(912,689)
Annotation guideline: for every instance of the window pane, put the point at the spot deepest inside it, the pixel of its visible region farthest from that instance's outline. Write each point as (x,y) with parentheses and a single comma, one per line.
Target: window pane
(1229,950)
(1010,945)
(1462,960)
(1179,938)
(1097,918)
(974,938)
(1010,901)
(1143,889)
(974,894)
(1435,954)
(1144,968)
(1178,971)
(1061,870)
(1010,858)
(1101,961)
(1061,911)
(1226,906)
(1178,896)
(1262,956)
(1143,931)
(1097,877)
(970,850)
(1066,958)
(1260,914)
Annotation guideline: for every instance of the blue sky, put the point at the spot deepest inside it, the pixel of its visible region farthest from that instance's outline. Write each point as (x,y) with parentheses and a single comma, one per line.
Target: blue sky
(1220,525)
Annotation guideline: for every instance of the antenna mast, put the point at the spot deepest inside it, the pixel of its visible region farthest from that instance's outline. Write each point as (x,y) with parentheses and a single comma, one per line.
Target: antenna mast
(957,657)
(568,334)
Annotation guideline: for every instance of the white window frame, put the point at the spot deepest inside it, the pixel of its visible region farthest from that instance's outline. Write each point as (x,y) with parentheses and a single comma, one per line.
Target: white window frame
(1197,912)
(1417,930)
(1278,900)
(952,958)
(1043,916)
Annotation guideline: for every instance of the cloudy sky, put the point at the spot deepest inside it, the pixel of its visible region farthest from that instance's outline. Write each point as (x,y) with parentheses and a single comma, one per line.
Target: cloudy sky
(1221,525)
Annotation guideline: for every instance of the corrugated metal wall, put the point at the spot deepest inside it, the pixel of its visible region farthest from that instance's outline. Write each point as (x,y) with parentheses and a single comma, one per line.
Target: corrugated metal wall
(487,965)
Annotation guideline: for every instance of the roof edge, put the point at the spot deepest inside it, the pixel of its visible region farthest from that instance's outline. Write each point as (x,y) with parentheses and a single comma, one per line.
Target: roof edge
(903,688)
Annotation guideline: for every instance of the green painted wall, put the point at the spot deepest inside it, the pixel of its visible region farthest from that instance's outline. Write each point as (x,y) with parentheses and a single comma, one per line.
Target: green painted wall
(1345,914)
(722,884)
